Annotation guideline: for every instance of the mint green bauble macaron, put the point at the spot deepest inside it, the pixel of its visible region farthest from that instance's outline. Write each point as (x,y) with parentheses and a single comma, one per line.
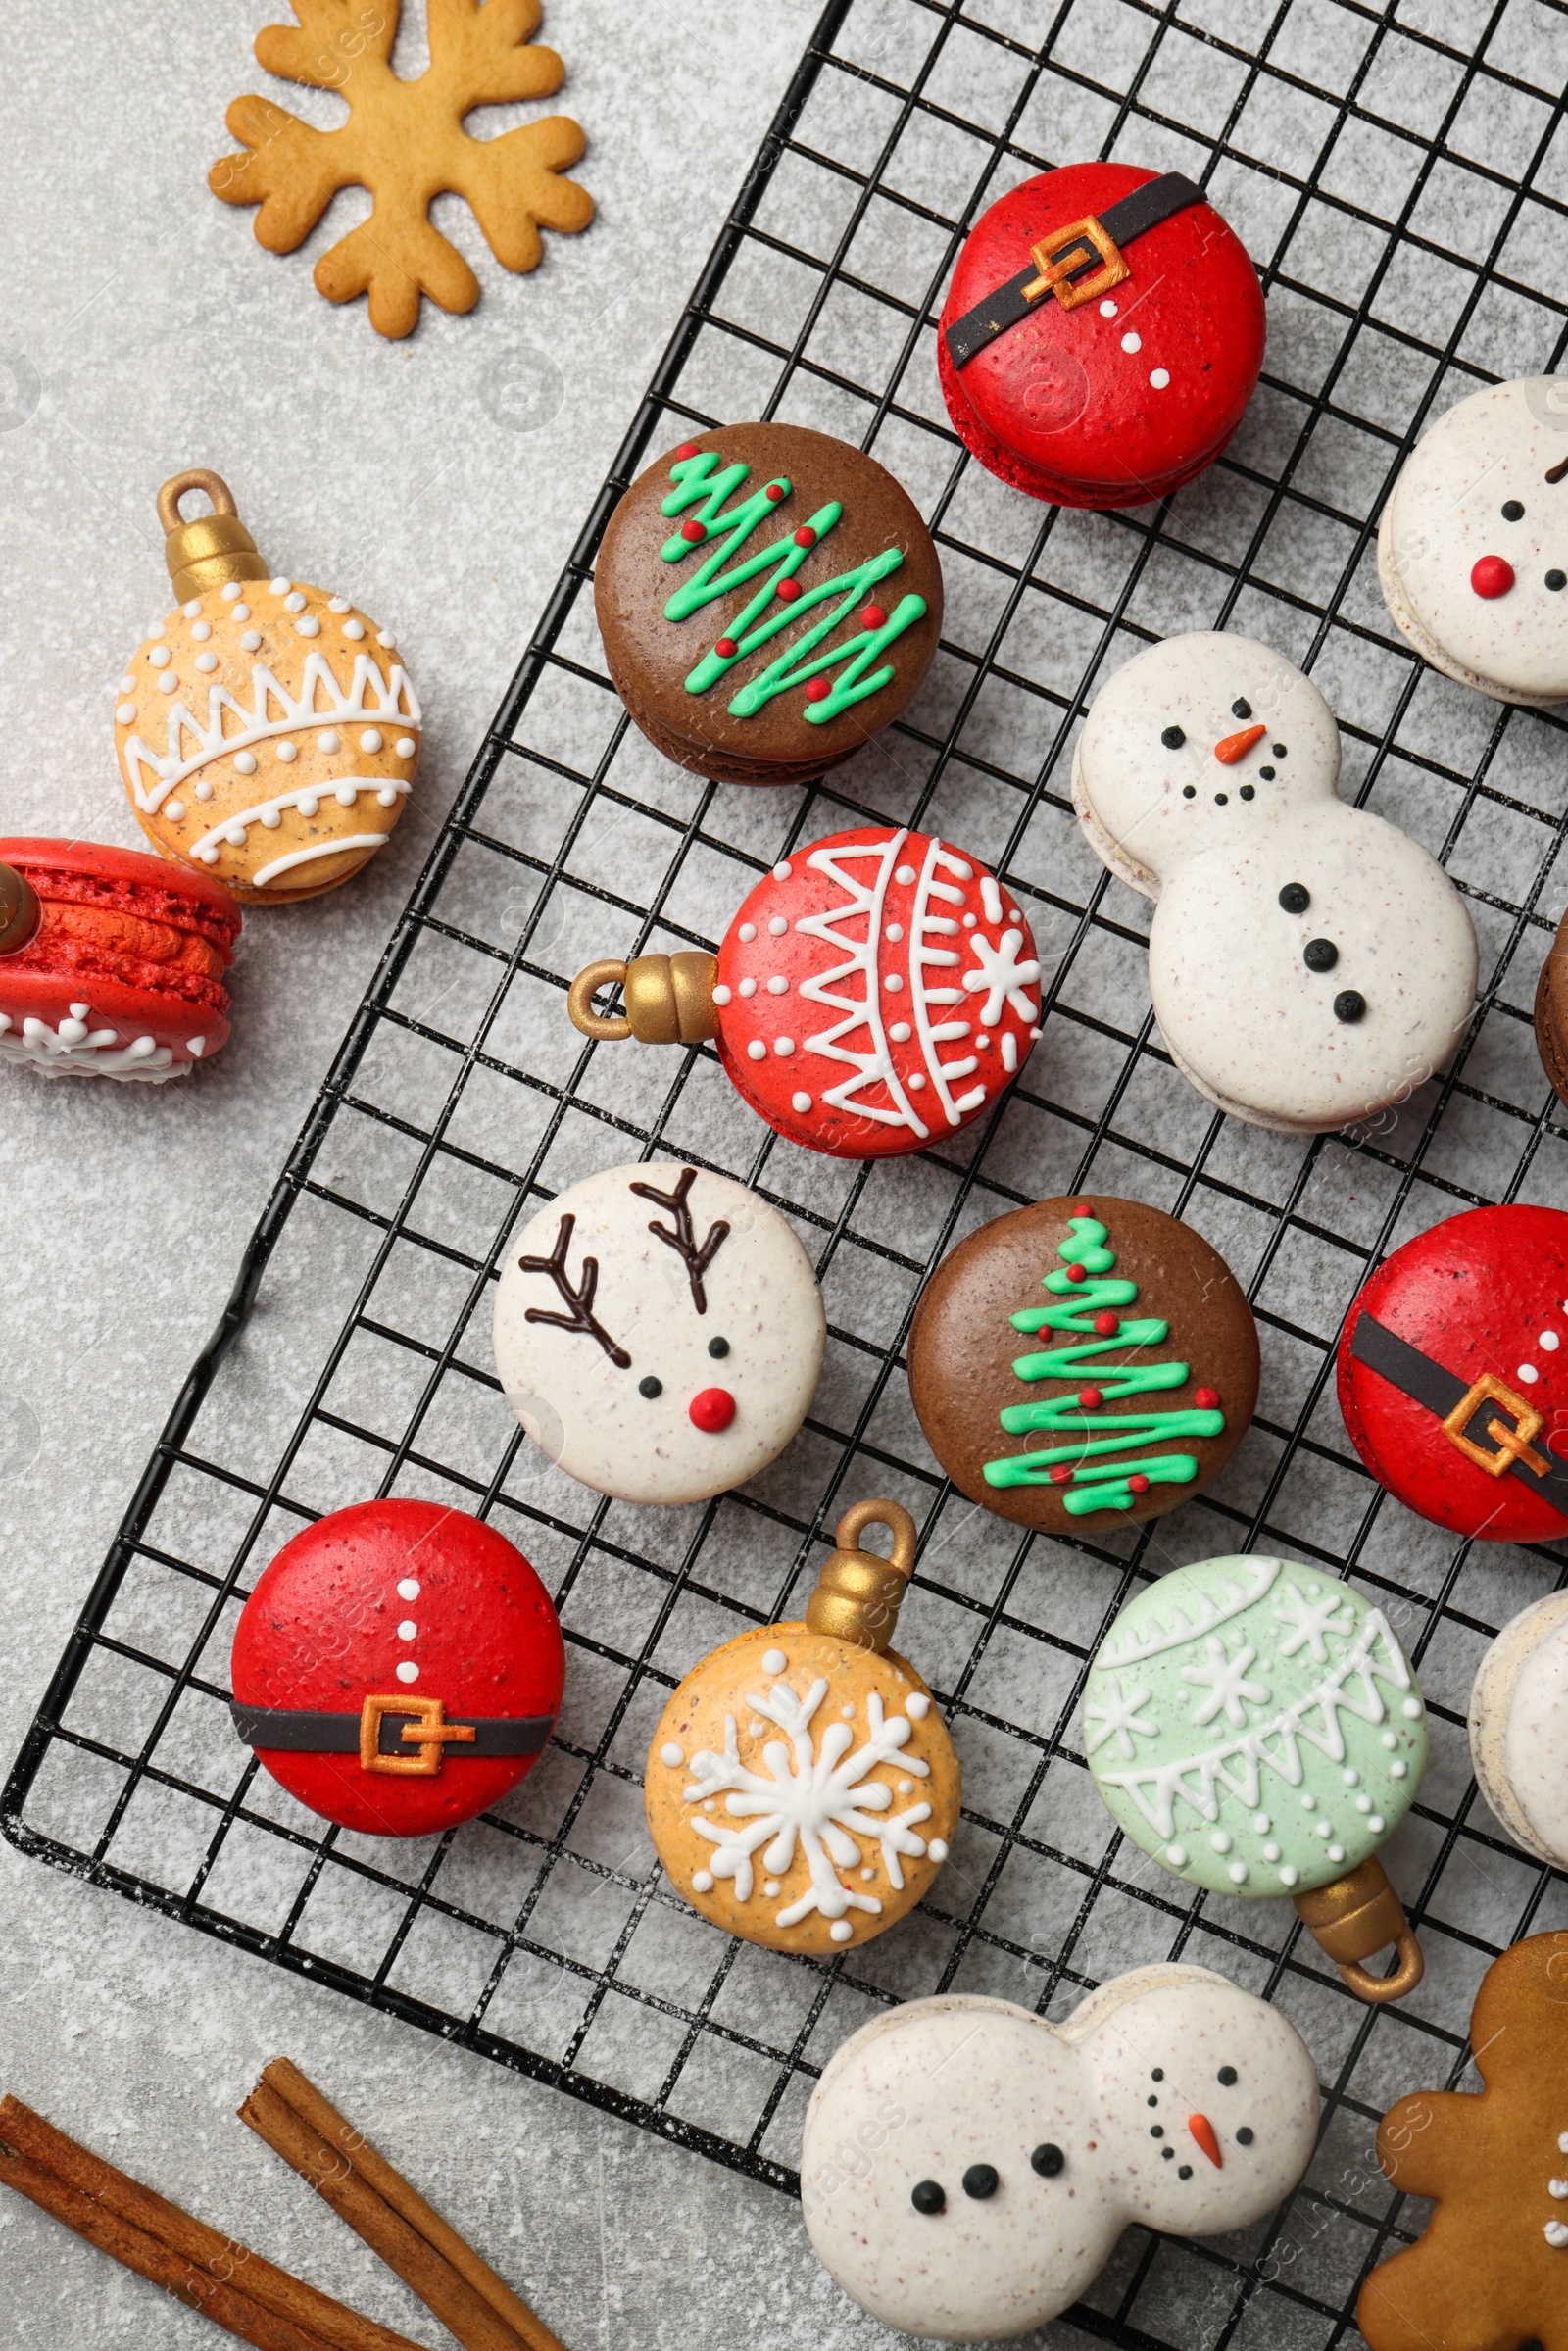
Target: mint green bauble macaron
(1254,1726)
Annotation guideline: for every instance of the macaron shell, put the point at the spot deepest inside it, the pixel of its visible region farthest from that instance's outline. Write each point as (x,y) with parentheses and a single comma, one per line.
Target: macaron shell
(1476,1293)
(715,1700)
(1551,1013)
(1058,405)
(323,1630)
(1519,1728)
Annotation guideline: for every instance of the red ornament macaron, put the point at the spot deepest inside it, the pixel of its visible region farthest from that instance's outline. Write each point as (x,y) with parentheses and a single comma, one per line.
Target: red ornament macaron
(1453,1374)
(876,992)
(1101,336)
(398,1667)
(111,961)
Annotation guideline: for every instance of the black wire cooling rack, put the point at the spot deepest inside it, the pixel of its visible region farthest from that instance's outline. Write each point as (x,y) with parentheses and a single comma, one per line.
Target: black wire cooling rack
(1397,175)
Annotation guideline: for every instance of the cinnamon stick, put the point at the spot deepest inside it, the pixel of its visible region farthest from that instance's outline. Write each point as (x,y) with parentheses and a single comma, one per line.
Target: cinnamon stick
(198,2265)
(290,2113)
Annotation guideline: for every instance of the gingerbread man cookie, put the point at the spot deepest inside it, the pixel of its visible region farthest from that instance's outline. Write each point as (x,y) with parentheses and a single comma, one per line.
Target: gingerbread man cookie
(1489,2271)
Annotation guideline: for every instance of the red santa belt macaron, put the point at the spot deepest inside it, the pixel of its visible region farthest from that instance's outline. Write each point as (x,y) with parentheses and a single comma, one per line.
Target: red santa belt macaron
(1469,1414)
(1074,262)
(394,1734)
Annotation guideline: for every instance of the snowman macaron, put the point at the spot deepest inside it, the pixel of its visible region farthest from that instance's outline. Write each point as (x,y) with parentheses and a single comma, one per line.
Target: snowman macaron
(1473,544)
(966,2168)
(1309,963)
(658,1331)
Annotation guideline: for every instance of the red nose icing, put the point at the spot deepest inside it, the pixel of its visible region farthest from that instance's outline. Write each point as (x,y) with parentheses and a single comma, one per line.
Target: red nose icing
(1202,2129)
(1492,576)
(712,1410)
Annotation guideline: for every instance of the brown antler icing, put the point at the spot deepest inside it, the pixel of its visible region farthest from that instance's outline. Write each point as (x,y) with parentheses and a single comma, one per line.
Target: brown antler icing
(683,1240)
(579,1303)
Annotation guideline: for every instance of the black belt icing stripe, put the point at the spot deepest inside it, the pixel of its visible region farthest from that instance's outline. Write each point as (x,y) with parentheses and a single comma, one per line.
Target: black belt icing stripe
(1424,1382)
(1129,217)
(293,1730)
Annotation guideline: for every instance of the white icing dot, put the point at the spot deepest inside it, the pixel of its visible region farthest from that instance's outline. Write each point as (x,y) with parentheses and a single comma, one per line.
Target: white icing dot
(346,794)
(371,740)
(1237,1873)
(841,1931)
(1363,1802)
(1220,1840)
(207,663)
(783,870)
(1159,377)
(1410,1709)
(721,993)
(774,1661)
(160,656)
(173,810)
(917,1705)
(1308,1801)
(847,1713)
(1323,1828)
(671,1754)
(235,836)
(1529,1374)
(272,817)
(1271,1851)
(309,626)
(1398,1771)
(892,982)
(126,685)
(125,713)
(309,803)
(1548,1343)
(905,876)
(354,629)
(778,985)
(1390,1739)
(340,604)
(331,742)
(232,589)
(938,1849)
(1176,1855)
(245,764)
(783,1047)
(905,1787)
(72,1032)
(1288,1875)
(192,609)
(288,752)
(969,922)
(80,1011)
(408,1630)
(1350,1776)
(405,747)
(408,1670)
(155,630)
(1108,309)
(1261,1822)
(771,1887)
(757,1050)
(777,926)
(387,638)
(916,1081)
(280,587)
(1132,340)
(748,988)
(167,682)
(409,1588)
(202,631)
(747,931)
(982,1040)
(242,611)
(799,1103)
(702,1883)
(207,857)
(251,641)
(901,1032)
(1336,1852)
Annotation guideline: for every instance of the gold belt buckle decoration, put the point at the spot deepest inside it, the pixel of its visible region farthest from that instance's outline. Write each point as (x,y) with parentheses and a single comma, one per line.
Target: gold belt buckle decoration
(1513,1442)
(1064,250)
(428,1732)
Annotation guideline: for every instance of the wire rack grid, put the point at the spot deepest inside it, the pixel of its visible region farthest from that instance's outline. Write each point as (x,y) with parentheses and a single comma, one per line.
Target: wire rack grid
(1400,169)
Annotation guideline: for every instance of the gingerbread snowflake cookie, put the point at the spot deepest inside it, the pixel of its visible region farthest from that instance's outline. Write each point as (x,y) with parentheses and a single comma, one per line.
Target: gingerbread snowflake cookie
(802,1787)
(1489,2273)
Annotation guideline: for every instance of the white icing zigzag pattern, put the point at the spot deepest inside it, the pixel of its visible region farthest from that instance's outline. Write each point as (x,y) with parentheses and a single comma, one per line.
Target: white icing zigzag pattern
(1207,1617)
(368,696)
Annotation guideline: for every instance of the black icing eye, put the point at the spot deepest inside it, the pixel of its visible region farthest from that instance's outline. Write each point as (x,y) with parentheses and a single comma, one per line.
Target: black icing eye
(1278,749)
(1349,1005)
(1189,791)
(649,1387)
(928,2196)
(1248,792)
(1221,800)
(1512,511)
(1244,2136)
(1167,2154)
(980,2180)
(1047,2161)
(1152,2100)
(1320,954)
(1240,709)
(1295,897)
(1186,2172)
(1157,2131)
(1173,738)
(1267,775)
(1158,2073)
(718,1346)
(1556,580)
(1226,2077)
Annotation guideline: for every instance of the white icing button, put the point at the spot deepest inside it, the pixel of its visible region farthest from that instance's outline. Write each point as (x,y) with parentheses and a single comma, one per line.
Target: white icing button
(251,641)
(245,764)
(160,656)
(1159,377)
(917,1705)
(1363,1802)
(1398,1771)
(748,988)
(405,747)
(354,629)
(1288,1876)
(1350,1776)
(309,626)
(309,803)
(784,1047)
(409,1588)
(340,604)
(167,682)
(127,685)
(671,1754)
(192,608)
(1261,1822)
(1237,1873)
(702,1883)
(408,1670)
(847,1713)
(782,872)
(408,1630)
(1308,1801)
(1220,1840)
(1529,1374)
(892,982)
(1176,1855)
(778,985)
(346,794)
(207,663)
(1271,1851)
(777,926)
(1548,1343)
(841,1931)
(799,1103)
(901,1032)
(905,876)
(235,836)
(294,603)
(774,1661)
(371,740)
(331,742)
(1336,1852)
(1132,341)
(387,638)
(1375,1824)
(288,752)
(242,611)
(894,932)
(938,1849)
(280,587)
(916,1081)
(272,816)
(173,810)
(1389,1738)
(771,1887)
(1410,1709)
(202,631)
(747,931)
(1108,309)
(232,589)
(721,993)
(125,713)
(757,1050)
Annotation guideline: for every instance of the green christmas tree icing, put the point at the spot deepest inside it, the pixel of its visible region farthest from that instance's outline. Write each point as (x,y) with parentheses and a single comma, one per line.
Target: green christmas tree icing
(1083,1467)
(701,484)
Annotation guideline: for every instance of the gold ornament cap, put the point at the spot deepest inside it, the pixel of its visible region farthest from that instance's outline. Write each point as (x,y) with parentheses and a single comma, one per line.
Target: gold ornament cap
(669,1001)
(216,547)
(20,911)
(1359,1914)
(858,1592)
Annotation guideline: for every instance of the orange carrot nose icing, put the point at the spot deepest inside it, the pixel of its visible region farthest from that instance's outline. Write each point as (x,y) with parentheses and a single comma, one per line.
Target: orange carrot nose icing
(1237,747)
(1202,2129)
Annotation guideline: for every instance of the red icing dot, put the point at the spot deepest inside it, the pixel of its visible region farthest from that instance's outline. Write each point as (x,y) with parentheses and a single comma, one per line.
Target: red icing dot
(873,616)
(693,531)
(726,649)
(786,590)
(817,690)
(805,536)
(1138,1483)
(712,1410)
(777,491)
(1492,576)
(1107,1325)
(1077,1273)
(1062,1475)
(1083,1209)
(1091,1398)
(687,449)
(1206,1398)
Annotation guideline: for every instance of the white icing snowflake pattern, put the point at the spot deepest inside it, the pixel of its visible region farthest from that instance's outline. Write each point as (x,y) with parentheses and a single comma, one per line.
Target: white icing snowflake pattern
(1225,1677)
(1118,1718)
(998,971)
(815,1794)
(1306,1621)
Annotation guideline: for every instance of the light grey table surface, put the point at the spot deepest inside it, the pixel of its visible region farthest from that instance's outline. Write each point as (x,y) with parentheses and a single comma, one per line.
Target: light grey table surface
(427,479)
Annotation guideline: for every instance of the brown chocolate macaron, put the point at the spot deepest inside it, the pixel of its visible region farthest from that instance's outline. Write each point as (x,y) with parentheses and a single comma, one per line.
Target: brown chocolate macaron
(1551,1013)
(1083,1363)
(768,599)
